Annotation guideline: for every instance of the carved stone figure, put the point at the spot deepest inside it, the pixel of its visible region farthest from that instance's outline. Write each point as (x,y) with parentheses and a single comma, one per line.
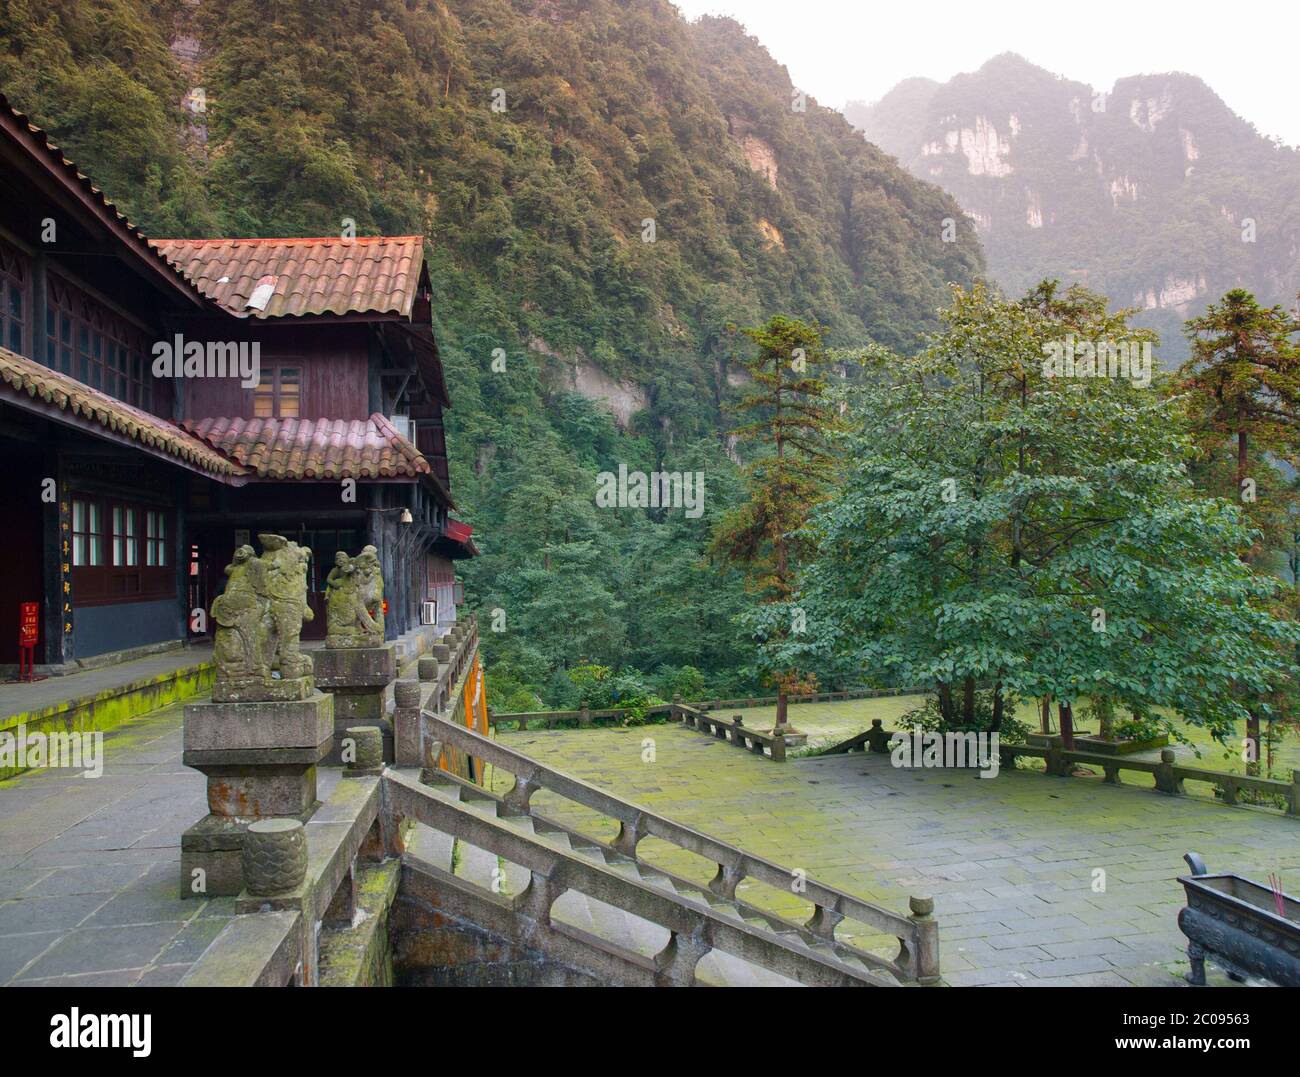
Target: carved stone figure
(354,601)
(259,618)
(239,640)
(286,590)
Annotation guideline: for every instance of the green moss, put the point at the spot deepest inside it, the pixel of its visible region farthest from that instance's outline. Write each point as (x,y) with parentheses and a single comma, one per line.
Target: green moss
(111,708)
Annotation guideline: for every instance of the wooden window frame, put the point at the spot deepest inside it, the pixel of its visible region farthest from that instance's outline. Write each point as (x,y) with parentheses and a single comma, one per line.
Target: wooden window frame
(109,583)
(15,278)
(275,373)
(89,342)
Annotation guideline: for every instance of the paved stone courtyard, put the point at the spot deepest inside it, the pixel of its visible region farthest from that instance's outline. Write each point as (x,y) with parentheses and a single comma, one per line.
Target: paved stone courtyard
(1009,860)
(89,867)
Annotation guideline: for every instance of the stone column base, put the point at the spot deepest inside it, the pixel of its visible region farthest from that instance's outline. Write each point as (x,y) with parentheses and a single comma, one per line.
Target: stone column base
(260,760)
(358,677)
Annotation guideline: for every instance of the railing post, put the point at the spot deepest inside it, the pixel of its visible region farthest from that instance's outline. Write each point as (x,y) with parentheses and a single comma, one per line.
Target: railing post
(516,802)
(628,836)
(726,880)
(1165,780)
(877,738)
(675,963)
(1294,807)
(925,960)
(1056,763)
(407,749)
(823,921)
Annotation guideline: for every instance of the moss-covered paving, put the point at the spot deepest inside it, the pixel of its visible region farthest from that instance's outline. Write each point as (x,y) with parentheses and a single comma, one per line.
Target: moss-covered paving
(1037,880)
(829,723)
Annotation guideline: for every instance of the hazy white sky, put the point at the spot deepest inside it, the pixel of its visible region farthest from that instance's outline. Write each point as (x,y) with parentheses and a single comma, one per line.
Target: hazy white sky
(839,50)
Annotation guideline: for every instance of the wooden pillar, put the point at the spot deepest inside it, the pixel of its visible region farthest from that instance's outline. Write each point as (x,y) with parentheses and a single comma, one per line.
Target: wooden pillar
(58,645)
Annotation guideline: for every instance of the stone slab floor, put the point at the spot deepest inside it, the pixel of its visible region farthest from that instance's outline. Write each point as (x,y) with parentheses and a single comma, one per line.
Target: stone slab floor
(90,867)
(1010,860)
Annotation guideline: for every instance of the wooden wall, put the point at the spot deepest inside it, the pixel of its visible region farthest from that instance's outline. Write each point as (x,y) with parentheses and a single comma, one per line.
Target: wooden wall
(334,359)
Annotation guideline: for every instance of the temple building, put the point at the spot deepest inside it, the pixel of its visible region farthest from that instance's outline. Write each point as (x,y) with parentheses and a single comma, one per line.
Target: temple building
(301,393)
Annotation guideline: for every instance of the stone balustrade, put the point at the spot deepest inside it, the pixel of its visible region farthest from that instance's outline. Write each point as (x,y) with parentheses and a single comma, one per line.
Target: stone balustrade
(734,731)
(918,957)
(1168,776)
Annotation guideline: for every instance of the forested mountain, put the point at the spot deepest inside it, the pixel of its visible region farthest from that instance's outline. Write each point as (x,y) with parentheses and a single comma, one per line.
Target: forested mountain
(605,188)
(1154,193)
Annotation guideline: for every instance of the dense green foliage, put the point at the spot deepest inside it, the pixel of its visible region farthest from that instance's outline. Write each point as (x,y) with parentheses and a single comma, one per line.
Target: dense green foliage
(614,114)
(1143,193)
(1004,526)
(789,419)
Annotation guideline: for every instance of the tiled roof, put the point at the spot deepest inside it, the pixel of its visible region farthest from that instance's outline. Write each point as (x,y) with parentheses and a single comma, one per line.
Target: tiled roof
(314,448)
(21,378)
(366,275)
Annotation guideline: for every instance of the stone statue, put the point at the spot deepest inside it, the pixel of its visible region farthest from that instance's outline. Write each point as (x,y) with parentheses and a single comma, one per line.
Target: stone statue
(259,618)
(286,589)
(239,612)
(354,601)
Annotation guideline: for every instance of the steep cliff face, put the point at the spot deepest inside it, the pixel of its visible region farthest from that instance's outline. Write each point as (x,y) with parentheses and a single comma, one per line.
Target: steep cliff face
(1154,192)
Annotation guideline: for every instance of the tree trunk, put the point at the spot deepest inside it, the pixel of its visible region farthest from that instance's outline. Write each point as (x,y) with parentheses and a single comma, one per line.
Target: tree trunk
(945,702)
(997,708)
(968,702)
(782,723)
(1252,737)
(1045,714)
(1241,461)
(1066,716)
(1105,719)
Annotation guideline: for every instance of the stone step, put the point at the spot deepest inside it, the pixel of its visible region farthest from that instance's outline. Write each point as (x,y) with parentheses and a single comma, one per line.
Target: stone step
(624,929)
(432,846)
(478,866)
(718,969)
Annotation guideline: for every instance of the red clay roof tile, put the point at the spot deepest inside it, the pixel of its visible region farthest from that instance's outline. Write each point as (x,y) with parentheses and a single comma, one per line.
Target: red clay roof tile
(314,448)
(366,275)
(21,378)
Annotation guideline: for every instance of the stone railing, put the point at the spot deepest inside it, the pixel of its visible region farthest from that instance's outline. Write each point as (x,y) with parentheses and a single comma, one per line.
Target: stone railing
(447,667)
(447,661)
(586,717)
(1167,775)
(275,939)
(729,729)
(814,697)
(743,927)
(732,730)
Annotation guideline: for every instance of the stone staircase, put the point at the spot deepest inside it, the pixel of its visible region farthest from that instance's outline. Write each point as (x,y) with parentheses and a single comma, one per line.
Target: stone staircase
(584,916)
(600,911)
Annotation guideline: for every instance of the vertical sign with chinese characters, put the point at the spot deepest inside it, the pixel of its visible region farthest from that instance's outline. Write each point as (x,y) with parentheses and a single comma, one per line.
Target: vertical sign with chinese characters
(65,561)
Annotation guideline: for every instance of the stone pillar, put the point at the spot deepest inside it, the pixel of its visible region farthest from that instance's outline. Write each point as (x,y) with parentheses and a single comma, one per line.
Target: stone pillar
(260,761)
(358,678)
(408,750)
